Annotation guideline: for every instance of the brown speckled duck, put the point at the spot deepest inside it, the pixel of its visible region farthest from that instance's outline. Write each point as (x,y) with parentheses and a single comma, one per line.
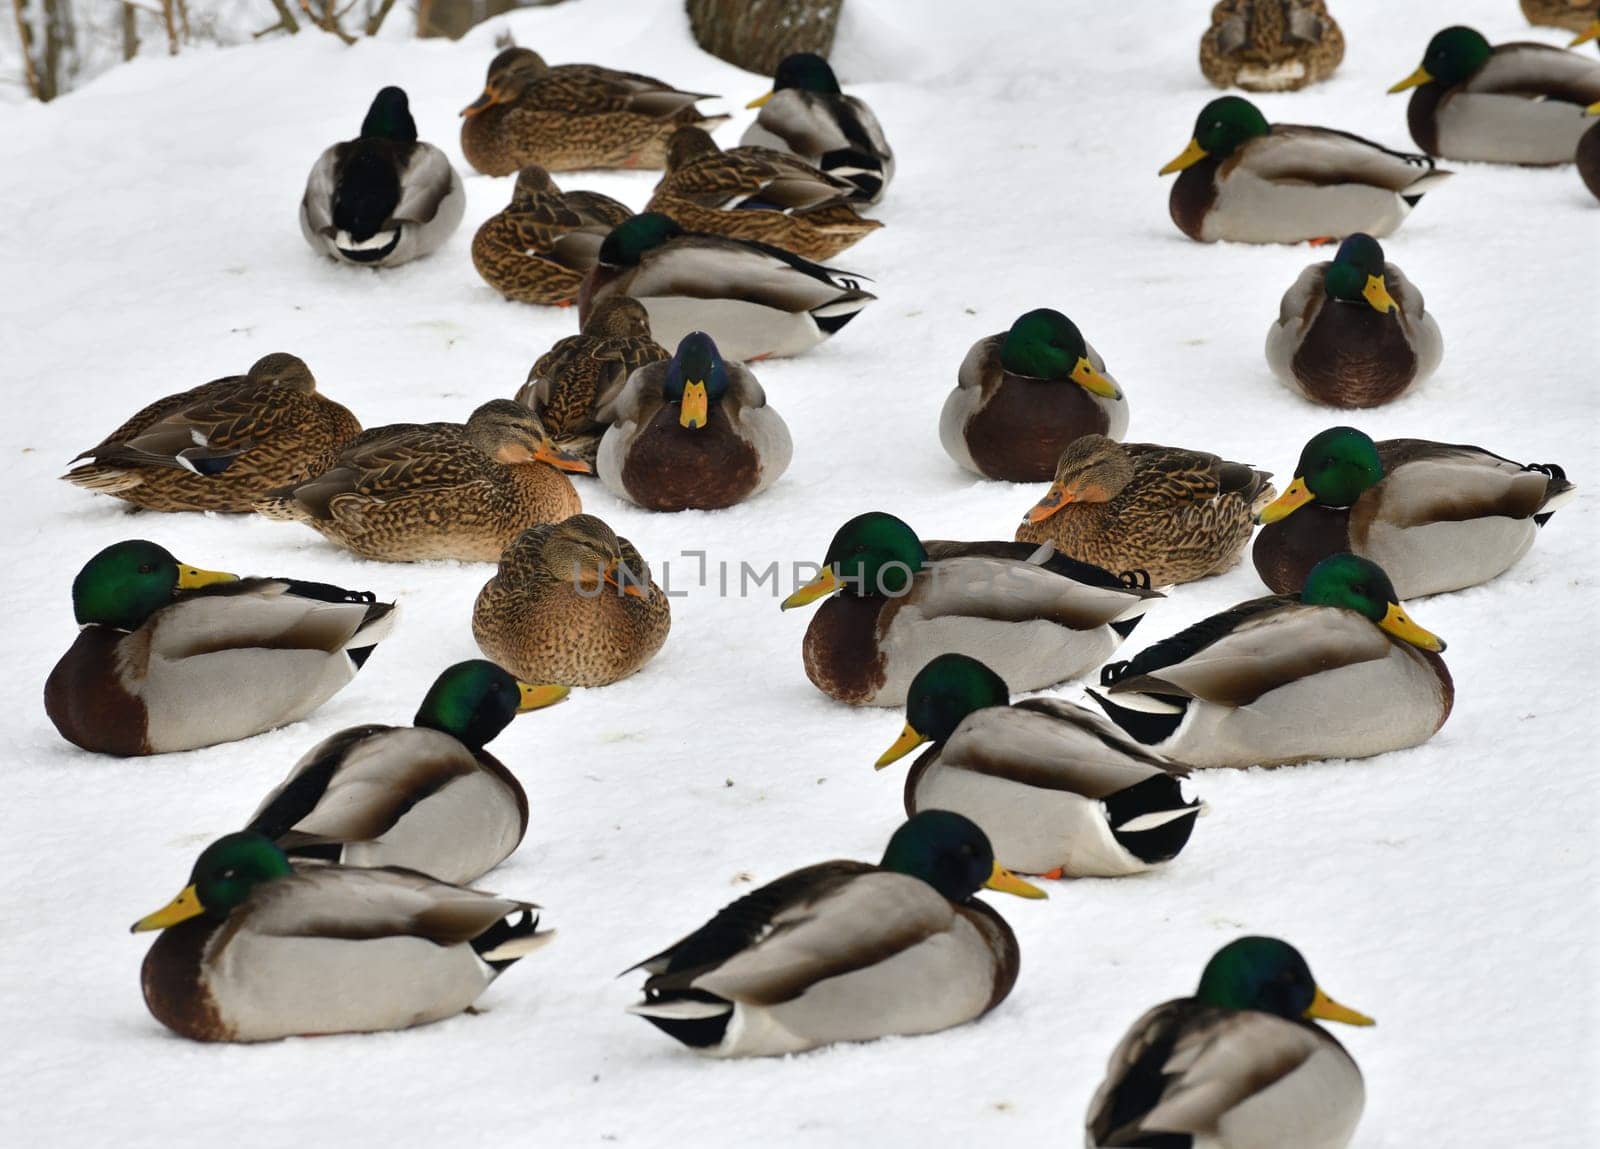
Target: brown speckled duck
(1270,45)
(570,385)
(572,116)
(1573,15)
(222,445)
(571,603)
(410,491)
(538,249)
(1178,515)
(171,657)
(757,193)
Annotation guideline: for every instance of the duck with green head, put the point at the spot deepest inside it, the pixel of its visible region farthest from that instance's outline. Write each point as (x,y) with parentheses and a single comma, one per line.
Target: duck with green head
(1024,395)
(808,115)
(895,601)
(1339,672)
(1517,103)
(1435,516)
(693,432)
(428,796)
(1057,788)
(1248,181)
(254,949)
(172,657)
(1353,331)
(1240,1065)
(755,301)
(845,951)
(383,198)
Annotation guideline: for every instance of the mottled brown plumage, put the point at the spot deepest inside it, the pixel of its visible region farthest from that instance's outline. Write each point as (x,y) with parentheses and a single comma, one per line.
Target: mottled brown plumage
(571,385)
(1180,515)
(571,603)
(1573,15)
(538,249)
(571,117)
(757,193)
(435,491)
(1270,45)
(222,445)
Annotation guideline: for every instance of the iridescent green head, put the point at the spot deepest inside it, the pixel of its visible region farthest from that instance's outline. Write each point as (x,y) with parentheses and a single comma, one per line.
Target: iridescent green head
(696,377)
(1335,468)
(1356,274)
(942,694)
(952,855)
(474,701)
(806,71)
(1454,56)
(1270,976)
(632,238)
(126,583)
(1223,126)
(224,876)
(1045,344)
(389,118)
(1354,583)
(872,554)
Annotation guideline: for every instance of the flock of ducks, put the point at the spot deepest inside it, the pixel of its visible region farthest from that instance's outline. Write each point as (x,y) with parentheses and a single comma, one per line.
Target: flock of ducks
(374,832)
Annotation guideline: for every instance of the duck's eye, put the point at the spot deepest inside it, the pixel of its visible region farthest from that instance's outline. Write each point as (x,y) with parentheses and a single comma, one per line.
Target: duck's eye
(231,872)
(148,568)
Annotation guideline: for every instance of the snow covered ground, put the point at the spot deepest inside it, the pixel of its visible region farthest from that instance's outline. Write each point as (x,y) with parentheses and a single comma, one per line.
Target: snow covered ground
(1449,891)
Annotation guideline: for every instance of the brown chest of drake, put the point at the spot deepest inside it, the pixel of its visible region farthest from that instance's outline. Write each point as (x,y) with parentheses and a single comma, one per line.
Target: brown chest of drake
(1354,356)
(669,467)
(1588,158)
(86,700)
(1285,551)
(841,649)
(1019,431)
(1193,195)
(173,989)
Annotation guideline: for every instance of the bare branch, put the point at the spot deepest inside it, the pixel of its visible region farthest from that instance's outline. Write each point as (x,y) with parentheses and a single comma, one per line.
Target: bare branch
(375,21)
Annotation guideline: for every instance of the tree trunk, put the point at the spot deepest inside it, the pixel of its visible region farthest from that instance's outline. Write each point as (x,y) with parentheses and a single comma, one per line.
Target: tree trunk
(756,34)
(130,31)
(452,19)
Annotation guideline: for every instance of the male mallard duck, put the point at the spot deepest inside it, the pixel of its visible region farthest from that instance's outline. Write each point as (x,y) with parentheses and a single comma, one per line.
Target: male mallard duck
(436,491)
(692,432)
(571,603)
(383,198)
(1353,332)
(1239,1065)
(759,194)
(1270,45)
(755,301)
(1035,616)
(1023,395)
(427,797)
(1177,515)
(566,386)
(1515,103)
(171,657)
(572,116)
(1253,182)
(1435,516)
(222,445)
(256,950)
(1588,155)
(1059,791)
(807,114)
(540,247)
(845,951)
(1573,15)
(1340,672)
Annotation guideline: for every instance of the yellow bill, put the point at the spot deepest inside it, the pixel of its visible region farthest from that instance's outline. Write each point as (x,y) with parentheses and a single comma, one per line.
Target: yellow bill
(692,410)
(538,697)
(1418,78)
(1085,376)
(180,909)
(1187,158)
(1376,292)
(1592,32)
(908,741)
(820,587)
(1593,109)
(760,100)
(1006,882)
(1054,499)
(1324,1008)
(190,578)
(1297,496)
(1397,623)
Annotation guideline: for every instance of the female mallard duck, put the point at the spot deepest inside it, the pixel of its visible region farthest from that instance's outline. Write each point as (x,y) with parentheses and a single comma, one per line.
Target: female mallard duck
(427,797)
(1340,672)
(566,386)
(845,951)
(1515,103)
(572,116)
(1249,181)
(222,445)
(1353,332)
(383,198)
(1573,15)
(540,247)
(759,194)
(755,301)
(256,950)
(1023,395)
(693,432)
(1270,45)
(1239,1065)
(1177,515)
(807,114)
(1036,616)
(571,603)
(1435,516)
(411,492)
(171,657)
(1059,791)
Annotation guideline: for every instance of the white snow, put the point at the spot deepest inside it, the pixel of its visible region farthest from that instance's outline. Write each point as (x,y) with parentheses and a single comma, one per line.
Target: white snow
(150,244)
